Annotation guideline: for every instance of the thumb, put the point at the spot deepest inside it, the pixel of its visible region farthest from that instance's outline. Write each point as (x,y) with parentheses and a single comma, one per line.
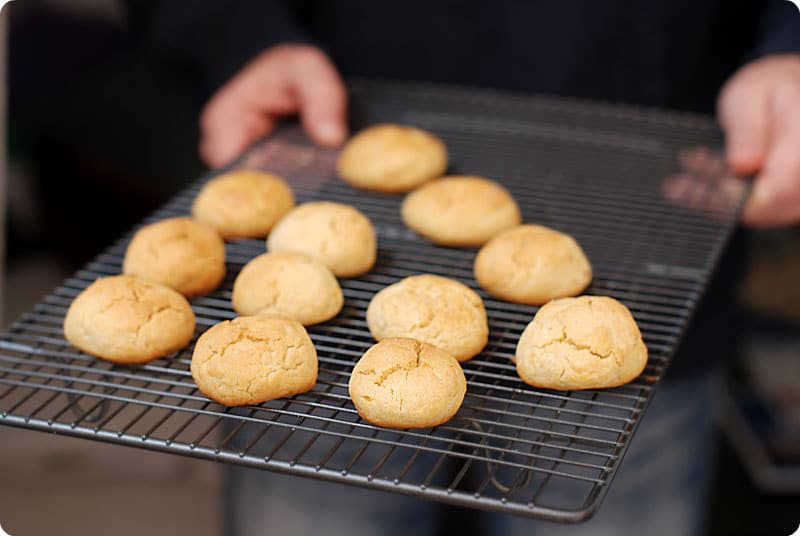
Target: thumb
(229,138)
(774,200)
(323,101)
(743,115)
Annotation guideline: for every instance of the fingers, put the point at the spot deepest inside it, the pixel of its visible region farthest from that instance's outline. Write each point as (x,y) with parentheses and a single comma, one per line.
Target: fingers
(323,100)
(227,134)
(742,112)
(703,184)
(775,199)
(282,81)
(236,116)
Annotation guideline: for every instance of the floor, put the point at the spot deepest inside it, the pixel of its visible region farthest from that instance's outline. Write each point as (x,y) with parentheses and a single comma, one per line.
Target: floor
(59,485)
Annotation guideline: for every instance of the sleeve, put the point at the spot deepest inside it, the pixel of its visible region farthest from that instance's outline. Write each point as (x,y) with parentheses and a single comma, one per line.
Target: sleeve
(218,38)
(780,28)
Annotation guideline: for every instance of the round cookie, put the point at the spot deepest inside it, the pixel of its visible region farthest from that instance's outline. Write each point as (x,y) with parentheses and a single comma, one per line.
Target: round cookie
(403,383)
(290,285)
(431,309)
(338,236)
(460,210)
(532,264)
(392,158)
(128,320)
(180,253)
(252,359)
(589,342)
(243,203)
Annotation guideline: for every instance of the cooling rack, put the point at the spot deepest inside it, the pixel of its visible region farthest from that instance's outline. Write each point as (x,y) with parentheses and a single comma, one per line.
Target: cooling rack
(643,191)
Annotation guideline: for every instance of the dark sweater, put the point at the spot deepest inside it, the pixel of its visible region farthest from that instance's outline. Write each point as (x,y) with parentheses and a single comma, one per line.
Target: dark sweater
(667,53)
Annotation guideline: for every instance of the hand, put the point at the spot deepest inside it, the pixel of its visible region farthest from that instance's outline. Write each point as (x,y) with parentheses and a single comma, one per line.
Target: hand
(704,183)
(759,108)
(281,81)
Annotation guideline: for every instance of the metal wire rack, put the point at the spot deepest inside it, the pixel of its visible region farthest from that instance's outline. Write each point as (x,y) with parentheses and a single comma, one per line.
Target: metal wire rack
(652,215)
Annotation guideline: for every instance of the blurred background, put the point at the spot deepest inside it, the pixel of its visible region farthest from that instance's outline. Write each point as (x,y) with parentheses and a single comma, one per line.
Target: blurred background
(101,134)
(101,130)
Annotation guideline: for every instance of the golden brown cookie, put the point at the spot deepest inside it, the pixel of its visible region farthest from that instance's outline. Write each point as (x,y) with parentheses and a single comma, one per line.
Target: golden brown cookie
(532,264)
(180,253)
(291,285)
(243,203)
(589,342)
(403,383)
(128,320)
(392,158)
(431,309)
(338,236)
(252,359)
(460,211)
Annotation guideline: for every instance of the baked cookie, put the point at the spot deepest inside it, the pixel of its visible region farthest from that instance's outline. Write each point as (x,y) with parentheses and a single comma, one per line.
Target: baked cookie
(403,383)
(252,359)
(243,203)
(532,264)
(392,158)
(180,253)
(338,236)
(128,320)
(291,285)
(431,309)
(589,342)
(460,211)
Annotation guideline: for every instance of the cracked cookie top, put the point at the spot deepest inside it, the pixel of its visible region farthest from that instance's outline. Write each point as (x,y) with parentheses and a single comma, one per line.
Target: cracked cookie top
(460,211)
(403,383)
(252,359)
(589,342)
(532,264)
(339,236)
(431,309)
(180,253)
(287,284)
(243,203)
(392,158)
(128,320)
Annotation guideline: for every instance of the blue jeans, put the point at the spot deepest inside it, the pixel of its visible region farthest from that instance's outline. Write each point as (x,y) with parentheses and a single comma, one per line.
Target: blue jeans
(662,484)
(660,488)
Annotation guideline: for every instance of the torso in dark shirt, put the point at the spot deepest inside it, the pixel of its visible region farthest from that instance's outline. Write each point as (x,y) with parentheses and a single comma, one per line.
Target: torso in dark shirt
(666,53)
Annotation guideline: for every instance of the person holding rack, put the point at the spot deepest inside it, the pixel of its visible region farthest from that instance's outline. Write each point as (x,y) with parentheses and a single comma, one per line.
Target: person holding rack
(740,59)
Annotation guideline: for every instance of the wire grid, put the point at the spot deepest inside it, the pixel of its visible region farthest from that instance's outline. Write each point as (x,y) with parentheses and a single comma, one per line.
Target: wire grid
(597,172)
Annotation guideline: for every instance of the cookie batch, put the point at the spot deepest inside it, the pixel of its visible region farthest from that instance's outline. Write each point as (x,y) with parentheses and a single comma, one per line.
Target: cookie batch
(425,325)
